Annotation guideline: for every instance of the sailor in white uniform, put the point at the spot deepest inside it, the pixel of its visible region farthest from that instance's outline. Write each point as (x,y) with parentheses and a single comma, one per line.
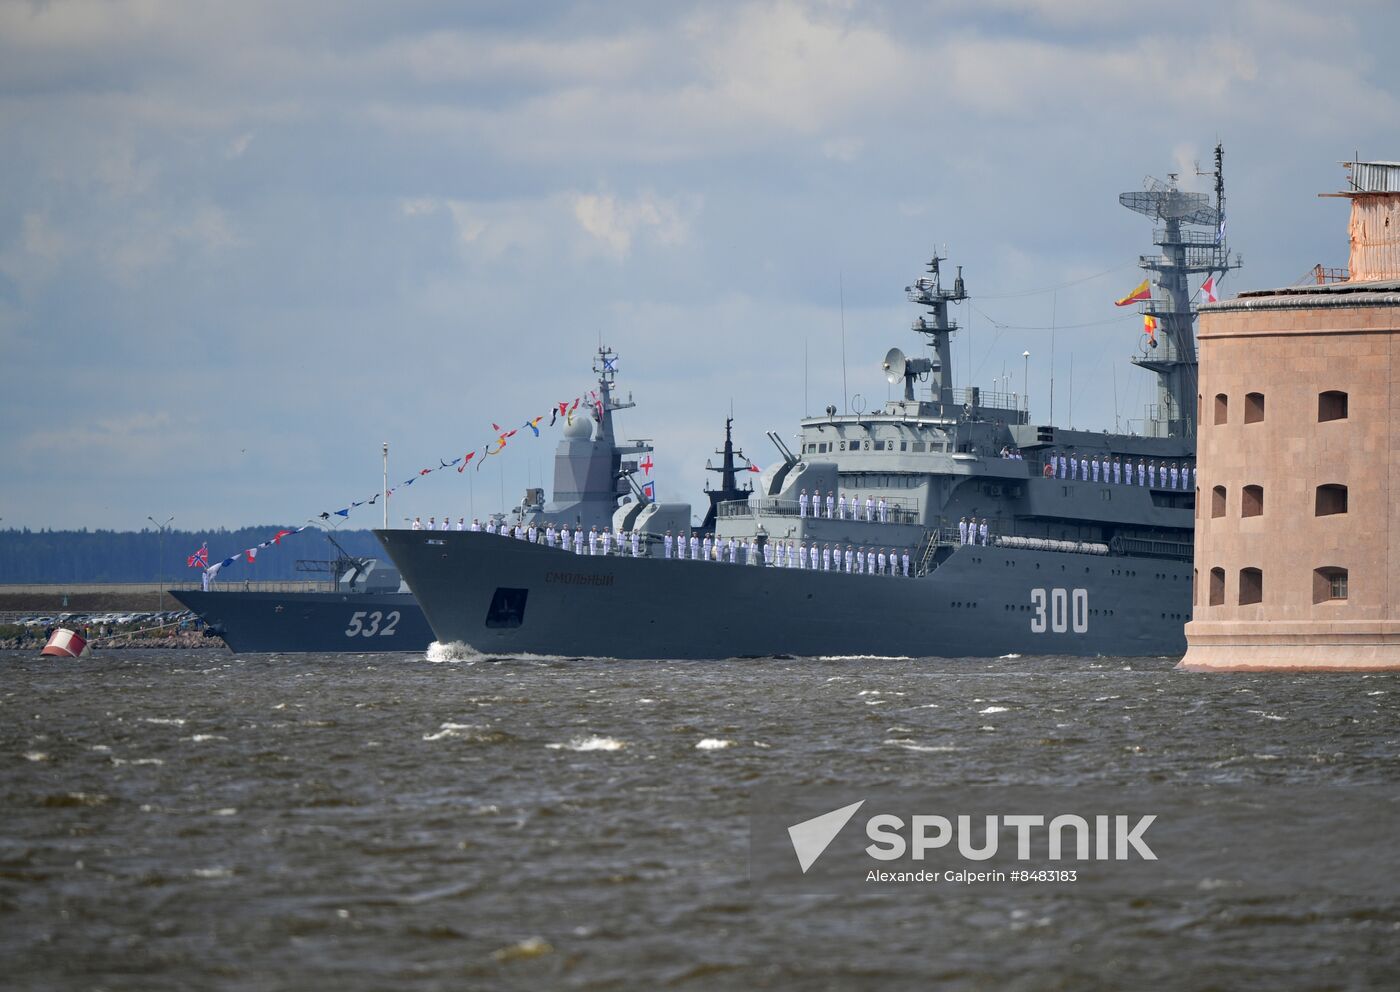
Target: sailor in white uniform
(815,556)
(578,540)
(962,531)
(904,561)
(982,531)
(533,534)
(636,544)
(432,523)
(826,557)
(830,504)
(870,562)
(841,507)
(880,559)
(1176,475)
(1094,468)
(802,504)
(882,510)
(668,545)
(417,523)
(849,559)
(869,508)
(705,548)
(694,546)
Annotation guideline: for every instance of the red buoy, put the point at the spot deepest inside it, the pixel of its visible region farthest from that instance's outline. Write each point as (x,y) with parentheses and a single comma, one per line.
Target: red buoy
(65,644)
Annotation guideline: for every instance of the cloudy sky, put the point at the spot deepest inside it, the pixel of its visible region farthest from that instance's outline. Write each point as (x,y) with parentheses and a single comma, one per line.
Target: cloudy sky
(242,245)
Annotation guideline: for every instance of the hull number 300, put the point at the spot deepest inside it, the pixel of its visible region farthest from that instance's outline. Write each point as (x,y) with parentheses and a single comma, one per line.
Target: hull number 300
(1060,610)
(372,624)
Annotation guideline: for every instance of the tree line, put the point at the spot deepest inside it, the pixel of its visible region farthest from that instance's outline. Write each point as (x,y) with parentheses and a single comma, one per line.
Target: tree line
(147,555)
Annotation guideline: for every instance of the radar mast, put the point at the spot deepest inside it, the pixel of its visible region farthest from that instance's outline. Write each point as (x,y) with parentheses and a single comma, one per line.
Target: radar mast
(1184,252)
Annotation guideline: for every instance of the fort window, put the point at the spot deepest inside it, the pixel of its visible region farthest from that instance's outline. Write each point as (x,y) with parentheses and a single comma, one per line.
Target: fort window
(1217,501)
(1251,586)
(1217,586)
(1253,407)
(1252,501)
(1331,498)
(1329,583)
(1331,405)
(1222,408)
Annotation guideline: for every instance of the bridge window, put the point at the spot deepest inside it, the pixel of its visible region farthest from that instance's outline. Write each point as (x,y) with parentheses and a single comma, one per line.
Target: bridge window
(1253,407)
(1217,587)
(1252,501)
(1222,408)
(1251,586)
(1217,501)
(1329,583)
(1331,405)
(1331,498)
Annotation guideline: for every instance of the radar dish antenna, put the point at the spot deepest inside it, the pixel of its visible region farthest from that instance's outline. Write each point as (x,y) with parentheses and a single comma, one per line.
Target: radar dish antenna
(894,365)
(1163,201)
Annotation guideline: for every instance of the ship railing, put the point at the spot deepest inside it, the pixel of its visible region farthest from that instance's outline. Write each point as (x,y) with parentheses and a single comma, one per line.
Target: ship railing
(898,510)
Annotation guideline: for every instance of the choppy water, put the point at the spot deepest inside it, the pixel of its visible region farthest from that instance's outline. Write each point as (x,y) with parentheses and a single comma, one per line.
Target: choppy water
(200,820)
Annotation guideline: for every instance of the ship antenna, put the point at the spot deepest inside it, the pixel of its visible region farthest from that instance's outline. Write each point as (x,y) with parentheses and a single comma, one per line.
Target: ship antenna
(845,394)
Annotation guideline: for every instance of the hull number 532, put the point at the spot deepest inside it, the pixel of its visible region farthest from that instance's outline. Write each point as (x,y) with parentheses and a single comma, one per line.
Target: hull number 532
(364,623)
(1059,610)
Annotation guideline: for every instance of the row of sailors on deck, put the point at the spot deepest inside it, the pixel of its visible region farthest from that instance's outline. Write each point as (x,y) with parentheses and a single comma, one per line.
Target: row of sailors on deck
(836,507)
(1158,475)
(790,554)
(446,524)
(971,532)
(777,554)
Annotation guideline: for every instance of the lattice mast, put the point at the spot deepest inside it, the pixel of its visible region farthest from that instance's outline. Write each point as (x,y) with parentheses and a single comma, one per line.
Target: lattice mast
(1186,251)
(928,291)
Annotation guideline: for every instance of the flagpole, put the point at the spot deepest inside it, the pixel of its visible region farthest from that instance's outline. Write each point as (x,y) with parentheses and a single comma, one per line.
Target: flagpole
(386,485)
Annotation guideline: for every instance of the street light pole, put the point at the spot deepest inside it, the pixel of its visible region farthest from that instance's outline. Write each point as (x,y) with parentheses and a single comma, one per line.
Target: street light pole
(160,560)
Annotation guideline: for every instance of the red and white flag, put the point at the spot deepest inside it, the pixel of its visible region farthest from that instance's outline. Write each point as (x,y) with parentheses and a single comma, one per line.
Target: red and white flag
(646,464)
(1208,290)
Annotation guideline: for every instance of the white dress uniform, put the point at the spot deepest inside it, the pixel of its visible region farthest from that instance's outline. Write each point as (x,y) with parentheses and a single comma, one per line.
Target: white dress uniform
(1117,472)
(962,531)
(1176,475)
(982,531)
(417,523)
(870,563)
(432,523)
(705,548)
(802,504)
(1094,469)
(880,558)
(815,555)
(869,508)
(578,541)
(694,546)
(668,545)
(830,504)
(904,561)
(882,510)
(636,544)
(841,507)
(476,525)
(826,558)
(850,560)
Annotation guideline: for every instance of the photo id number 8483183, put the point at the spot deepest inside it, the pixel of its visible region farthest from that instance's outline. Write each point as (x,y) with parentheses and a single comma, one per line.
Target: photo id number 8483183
(1059,610)
(367,623)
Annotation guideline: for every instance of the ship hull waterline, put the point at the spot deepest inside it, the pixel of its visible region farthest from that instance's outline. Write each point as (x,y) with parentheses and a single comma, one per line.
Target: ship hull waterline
(980,602)
(302,622)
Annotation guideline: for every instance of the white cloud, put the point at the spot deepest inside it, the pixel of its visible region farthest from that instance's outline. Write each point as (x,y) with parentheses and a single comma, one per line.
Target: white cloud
(615,222)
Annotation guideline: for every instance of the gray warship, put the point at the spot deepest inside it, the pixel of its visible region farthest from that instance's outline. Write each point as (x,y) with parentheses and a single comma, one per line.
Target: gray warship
(367,608)
(1081,541)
